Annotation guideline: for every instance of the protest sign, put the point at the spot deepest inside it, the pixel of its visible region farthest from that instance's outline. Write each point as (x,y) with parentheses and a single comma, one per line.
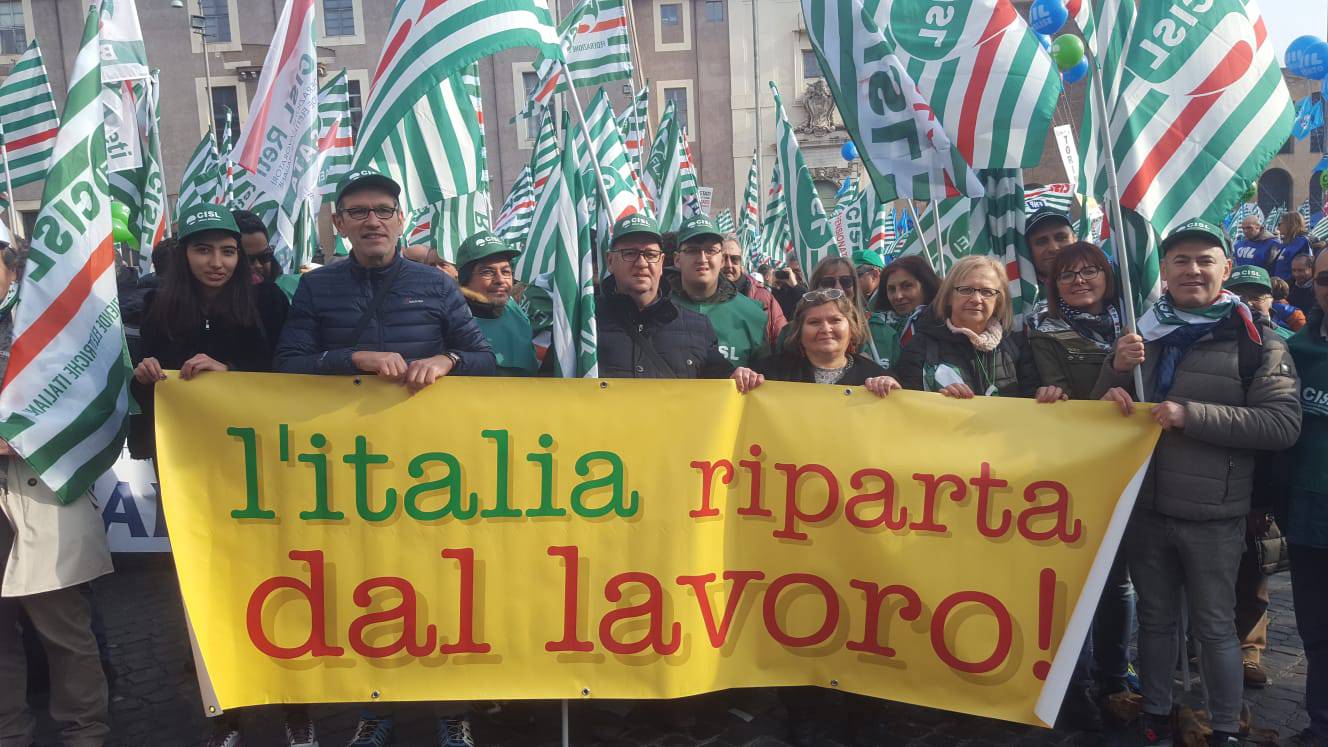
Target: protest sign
(339,540)
(130,506)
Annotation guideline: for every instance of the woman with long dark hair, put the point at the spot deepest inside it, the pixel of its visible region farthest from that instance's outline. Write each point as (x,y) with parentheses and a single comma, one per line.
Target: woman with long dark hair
(208,316)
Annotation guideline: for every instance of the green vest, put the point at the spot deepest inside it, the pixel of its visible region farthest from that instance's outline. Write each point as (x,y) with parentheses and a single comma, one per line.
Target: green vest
(288,283)
(739,324)
(882,341)
(510,336)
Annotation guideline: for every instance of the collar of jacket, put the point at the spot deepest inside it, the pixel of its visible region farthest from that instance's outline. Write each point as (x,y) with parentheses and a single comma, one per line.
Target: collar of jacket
(481,306)
(661,310)
(743,285)
(725,291)
(373,273)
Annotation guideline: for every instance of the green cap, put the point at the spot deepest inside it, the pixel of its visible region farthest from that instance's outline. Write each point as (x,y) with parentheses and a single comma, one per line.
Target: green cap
(1249,275)
(481,245)
(871,259)
(1196,228)
(697,226)
(206,217)
(363,178)
(636,223)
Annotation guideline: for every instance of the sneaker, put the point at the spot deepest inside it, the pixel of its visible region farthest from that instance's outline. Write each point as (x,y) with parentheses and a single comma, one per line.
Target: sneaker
(1223,739)
(299,728)
(225,733)
(372,732)
(1306,738)
(1154,731)
(1255,677)
(1132,679)
(455,732)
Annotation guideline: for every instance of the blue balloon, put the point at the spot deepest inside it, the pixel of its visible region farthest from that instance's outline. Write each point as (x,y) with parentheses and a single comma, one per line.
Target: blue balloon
(1295,51)
(849,151)
(1044,40)
(1048,16)
(1076,73)
(1314,61)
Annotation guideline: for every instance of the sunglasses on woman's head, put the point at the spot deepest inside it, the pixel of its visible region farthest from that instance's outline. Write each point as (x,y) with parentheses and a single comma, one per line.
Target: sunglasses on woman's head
(847,282)
(821,296)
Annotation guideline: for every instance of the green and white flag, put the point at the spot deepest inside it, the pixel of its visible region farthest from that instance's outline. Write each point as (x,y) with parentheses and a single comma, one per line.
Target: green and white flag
(124,56)
(64,405)
(1196,121)
(614,164)
(202,180)
(28,119)
(856,218)
(514,217)
(336,142)
(663,174)
(749,220)
(226,142)
(724,222)
(776,235)
(537,259)
(430,41)
(688,183)
(959,227)
(1105,26)
(142,189)
(906,150)
(456,219)
(808,224)
(1320,230)
(632,122)
(556,234)
(983,72)
(596,47)
(124,70)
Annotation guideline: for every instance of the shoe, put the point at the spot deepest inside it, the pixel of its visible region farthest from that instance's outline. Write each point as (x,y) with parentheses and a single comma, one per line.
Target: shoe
(1255,677)
(1154,731)
(225,733)
(372,732)
(1223,739)
(1306,738)
(454,732)
(299,728)
(1080,711)
(1132,679)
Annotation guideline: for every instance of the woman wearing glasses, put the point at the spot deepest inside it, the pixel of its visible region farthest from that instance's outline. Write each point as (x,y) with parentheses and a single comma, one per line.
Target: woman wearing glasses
(962,346)
(1077,332)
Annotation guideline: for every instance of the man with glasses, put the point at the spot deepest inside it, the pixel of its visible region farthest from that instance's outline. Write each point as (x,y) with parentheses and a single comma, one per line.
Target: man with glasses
(376,312)
(1226,388)
(485,265)
(732,271)
(739,322)
(643,334)
(867,265)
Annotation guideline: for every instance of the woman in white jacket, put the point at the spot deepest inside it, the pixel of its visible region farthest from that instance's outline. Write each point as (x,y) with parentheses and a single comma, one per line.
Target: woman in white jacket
(48,552)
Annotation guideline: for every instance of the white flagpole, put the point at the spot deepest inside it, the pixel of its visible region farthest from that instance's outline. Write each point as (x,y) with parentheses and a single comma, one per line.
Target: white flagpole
(936,226)
(590,144)
(1118,223)
(917,225)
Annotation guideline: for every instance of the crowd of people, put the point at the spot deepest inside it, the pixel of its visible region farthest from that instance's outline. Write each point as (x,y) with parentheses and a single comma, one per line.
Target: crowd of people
(1241,398)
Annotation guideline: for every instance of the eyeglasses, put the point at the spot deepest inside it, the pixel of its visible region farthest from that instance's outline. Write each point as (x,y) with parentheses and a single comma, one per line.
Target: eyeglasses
(1321,280)
(630,256)
(1255,296)
(732,259)
(1087,273)
(263,257)
(867,270)
(820,296)
(987,293)
(710,252)
(381,212)
(847,282)
(488,273)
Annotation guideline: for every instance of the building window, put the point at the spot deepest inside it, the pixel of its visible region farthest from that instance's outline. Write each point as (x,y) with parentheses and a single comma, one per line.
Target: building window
(678,97)
(224,99)
(714,11)
(1316,134)
(670,14)
(217,14)
(811,67)
(356,104)
(13,33)
(1289,146)
(339,17)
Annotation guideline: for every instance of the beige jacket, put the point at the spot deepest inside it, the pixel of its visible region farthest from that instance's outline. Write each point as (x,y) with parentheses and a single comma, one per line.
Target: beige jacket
(55,546)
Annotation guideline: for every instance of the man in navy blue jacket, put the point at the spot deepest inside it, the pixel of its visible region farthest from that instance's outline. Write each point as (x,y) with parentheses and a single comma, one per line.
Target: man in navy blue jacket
(377,312)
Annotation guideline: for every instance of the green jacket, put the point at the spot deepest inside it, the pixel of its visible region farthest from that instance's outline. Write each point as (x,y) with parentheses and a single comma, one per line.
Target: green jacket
(1067,360)
(739,322)
(509,334)
(1308,506)
(883,340)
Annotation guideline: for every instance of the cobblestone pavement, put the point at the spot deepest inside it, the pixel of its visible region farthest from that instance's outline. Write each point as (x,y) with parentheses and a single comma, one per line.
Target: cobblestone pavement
(155,700)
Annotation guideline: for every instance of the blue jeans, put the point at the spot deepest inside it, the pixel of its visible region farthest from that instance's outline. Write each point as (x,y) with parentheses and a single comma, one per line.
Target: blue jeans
(1105,657)
(1309,592)
(1166,555)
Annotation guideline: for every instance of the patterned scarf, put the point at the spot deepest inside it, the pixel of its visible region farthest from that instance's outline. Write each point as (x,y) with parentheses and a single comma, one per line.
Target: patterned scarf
(985,342)
(1178,329)
(1099,329)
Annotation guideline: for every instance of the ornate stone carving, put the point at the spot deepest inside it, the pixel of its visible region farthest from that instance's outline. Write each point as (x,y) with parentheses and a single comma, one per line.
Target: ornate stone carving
(820,105)
(831,174)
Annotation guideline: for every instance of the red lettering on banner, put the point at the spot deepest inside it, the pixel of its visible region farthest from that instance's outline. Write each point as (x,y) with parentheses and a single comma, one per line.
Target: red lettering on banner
(314,592)
(753,467)
(465,644)
(769,610)
(984,482)
(885,496)
(653,608)
(1004,632)
(793,474)
(404,613)
(932,484)
(569,642)
(719,634)
(876,596)
(1064,530)
(708,470)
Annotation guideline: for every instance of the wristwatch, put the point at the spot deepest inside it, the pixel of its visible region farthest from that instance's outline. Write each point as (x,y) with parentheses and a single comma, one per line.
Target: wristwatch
(456,359)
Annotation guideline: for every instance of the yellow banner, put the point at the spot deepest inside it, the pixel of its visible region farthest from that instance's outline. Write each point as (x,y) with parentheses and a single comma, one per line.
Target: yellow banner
(338,540)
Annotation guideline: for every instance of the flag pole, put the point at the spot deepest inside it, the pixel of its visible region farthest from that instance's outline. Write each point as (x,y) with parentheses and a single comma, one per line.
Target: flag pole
(590,144)
(917,225)
(936,226)
(756,90)
(1118,223)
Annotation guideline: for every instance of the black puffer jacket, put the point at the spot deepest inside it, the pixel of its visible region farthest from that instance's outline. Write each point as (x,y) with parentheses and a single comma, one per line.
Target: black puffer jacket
(684,339)
(1010,367)
(423,315)
(789,366)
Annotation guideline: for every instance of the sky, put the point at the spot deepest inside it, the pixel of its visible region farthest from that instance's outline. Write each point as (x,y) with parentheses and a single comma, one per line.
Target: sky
(1288,19)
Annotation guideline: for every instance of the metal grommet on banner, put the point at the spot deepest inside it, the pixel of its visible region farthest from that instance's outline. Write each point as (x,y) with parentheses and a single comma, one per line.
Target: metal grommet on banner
(848,392)
(375,695)
(212,709)
(604,385)
(834,683)
(355,381)
(32,482)
(585,692)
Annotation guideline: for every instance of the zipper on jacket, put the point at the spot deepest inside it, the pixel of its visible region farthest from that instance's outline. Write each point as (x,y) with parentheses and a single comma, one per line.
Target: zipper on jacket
(1231,467)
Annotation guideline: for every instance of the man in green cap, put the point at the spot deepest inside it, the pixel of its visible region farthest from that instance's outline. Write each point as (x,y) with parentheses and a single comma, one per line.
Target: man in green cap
(868,266)
(1226,388)
(1255,288)
(739,321)
(485,265)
